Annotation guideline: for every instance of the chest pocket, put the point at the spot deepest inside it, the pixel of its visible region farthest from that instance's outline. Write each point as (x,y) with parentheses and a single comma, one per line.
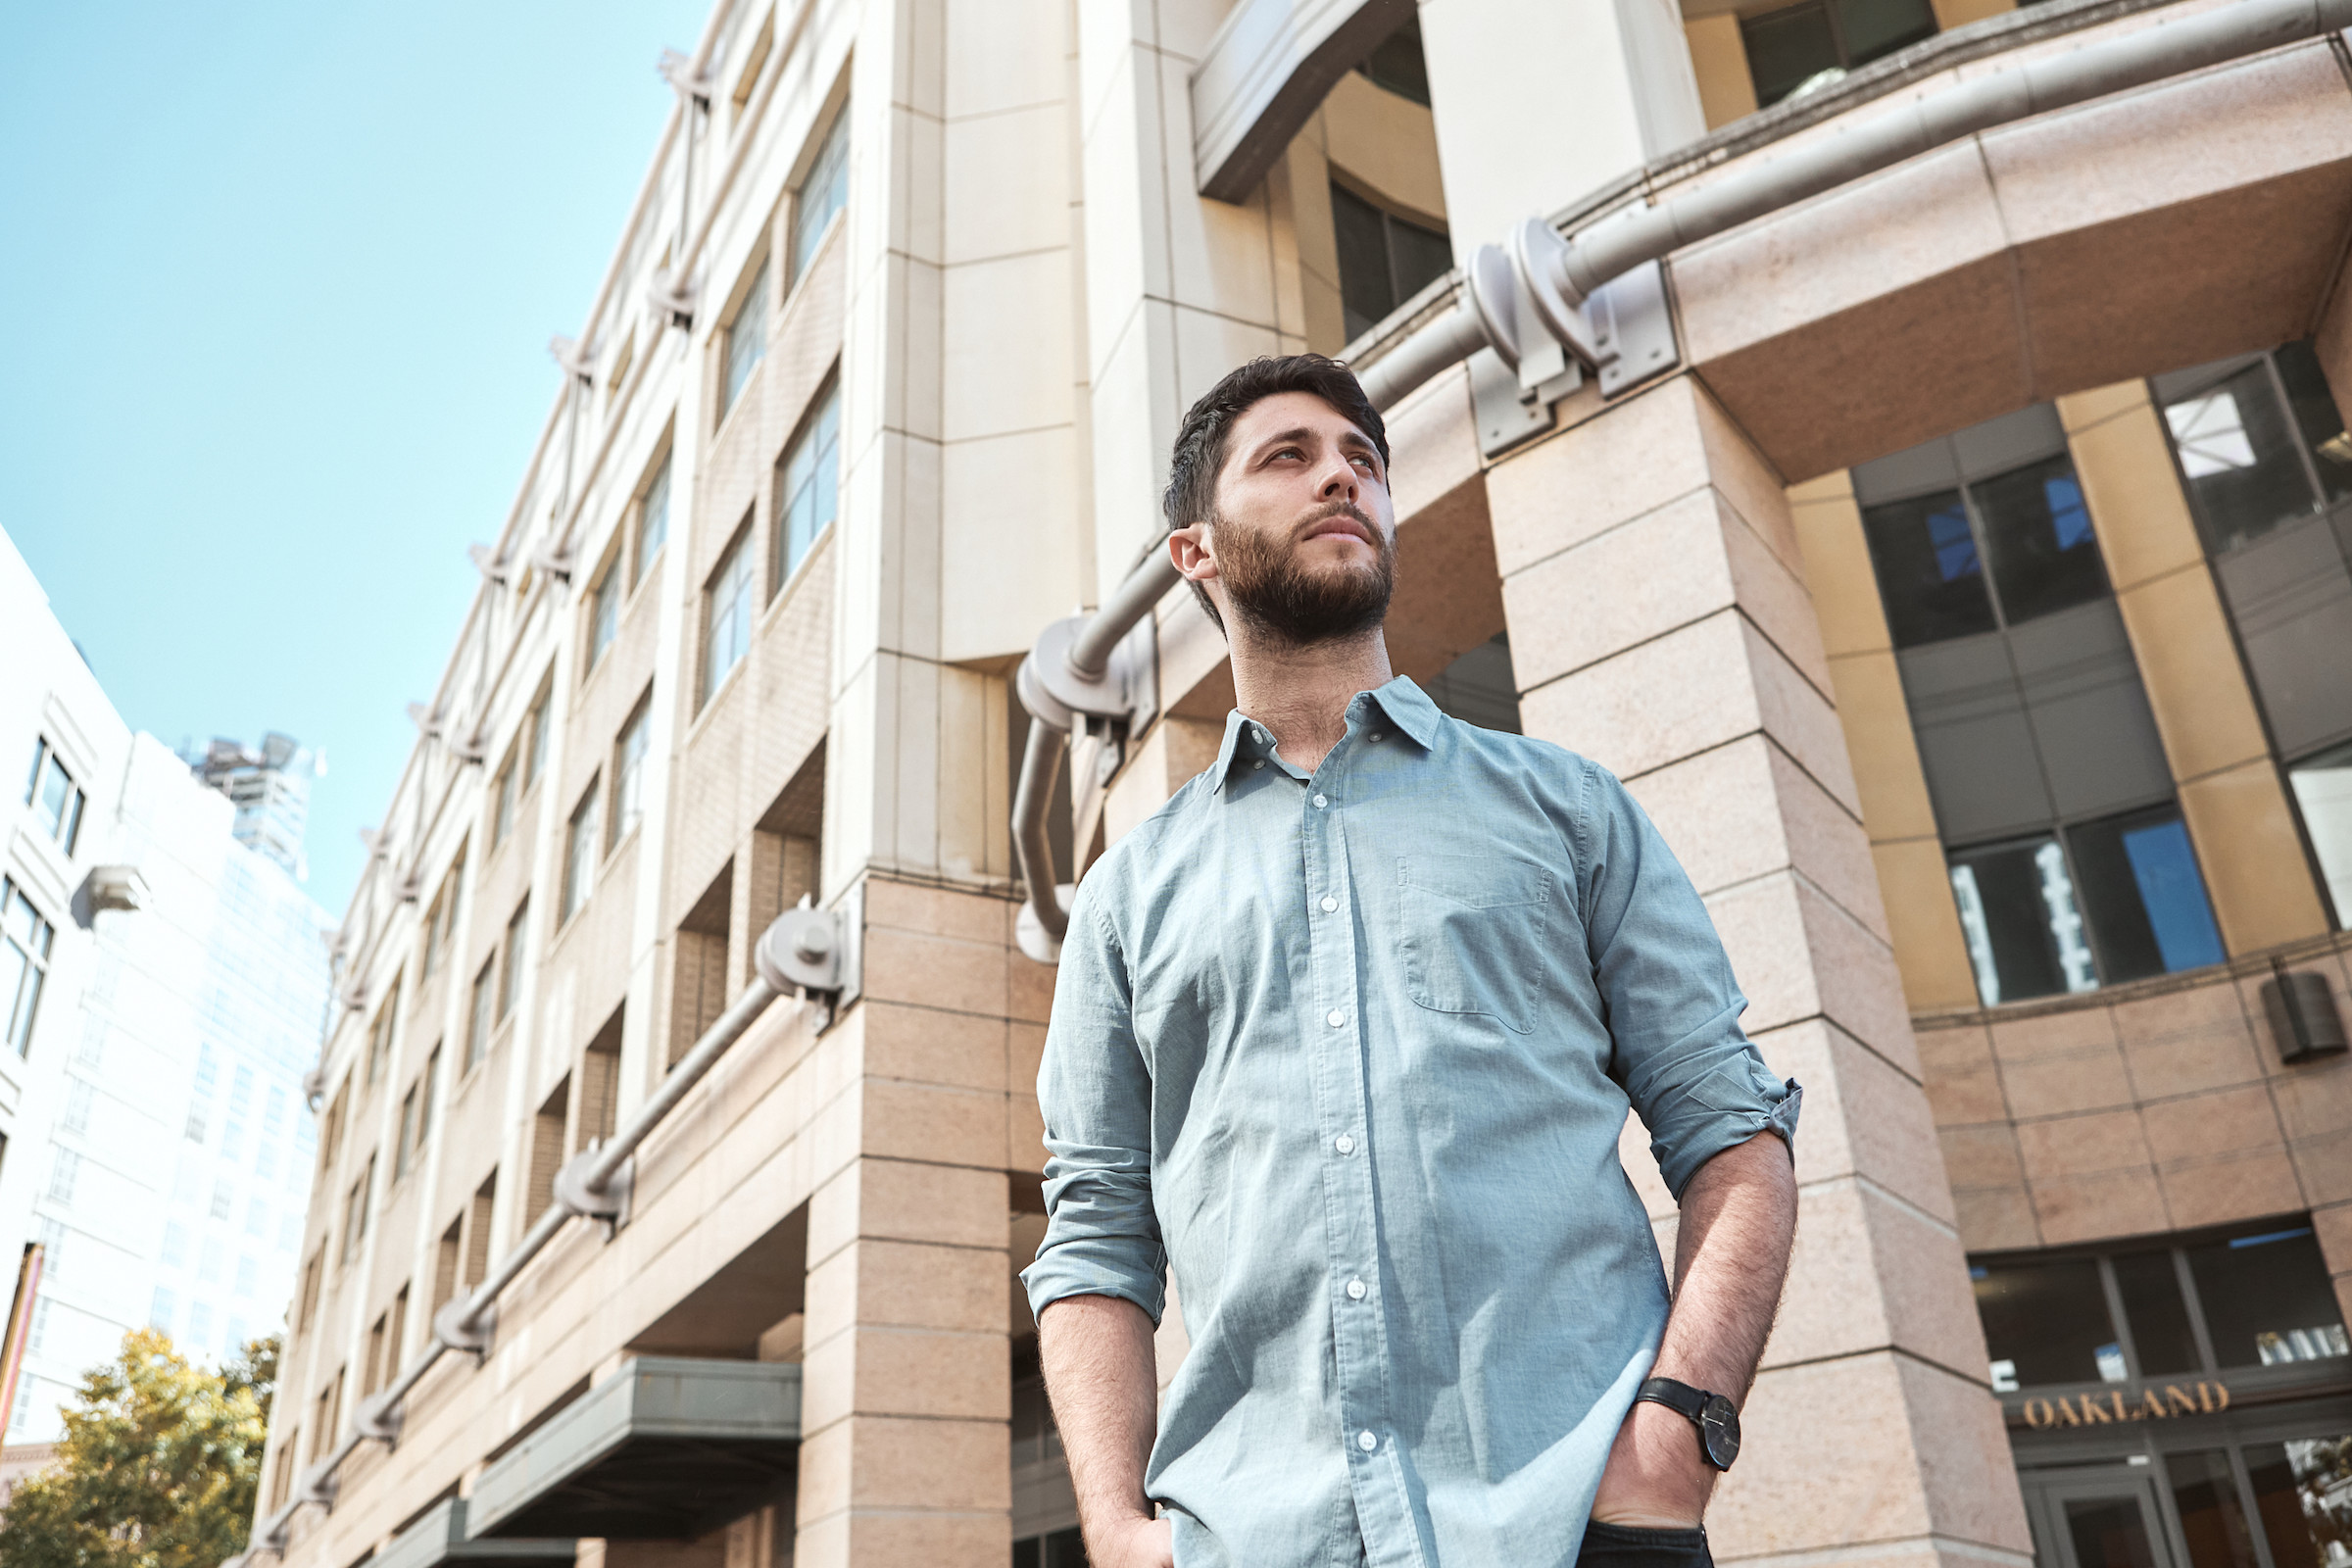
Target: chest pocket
(1479,933)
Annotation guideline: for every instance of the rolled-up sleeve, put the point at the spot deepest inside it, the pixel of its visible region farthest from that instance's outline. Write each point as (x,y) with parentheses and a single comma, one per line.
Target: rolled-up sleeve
(1102,1234)
(1694,1077)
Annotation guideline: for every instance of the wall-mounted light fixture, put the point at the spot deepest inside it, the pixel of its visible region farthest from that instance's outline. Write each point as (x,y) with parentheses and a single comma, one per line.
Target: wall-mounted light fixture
(2304,1022)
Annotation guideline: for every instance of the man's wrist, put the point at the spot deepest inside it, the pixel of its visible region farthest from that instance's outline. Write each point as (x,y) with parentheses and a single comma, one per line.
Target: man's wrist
(1656,1478)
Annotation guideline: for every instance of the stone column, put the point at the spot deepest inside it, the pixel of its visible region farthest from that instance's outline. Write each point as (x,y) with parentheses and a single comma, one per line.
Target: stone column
(906,1450)
(1660,624)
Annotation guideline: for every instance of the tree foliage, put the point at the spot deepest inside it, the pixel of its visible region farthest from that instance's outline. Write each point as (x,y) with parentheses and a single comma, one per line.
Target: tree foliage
(159,1467)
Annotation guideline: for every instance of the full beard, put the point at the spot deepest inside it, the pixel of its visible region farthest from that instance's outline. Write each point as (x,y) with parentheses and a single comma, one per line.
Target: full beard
(1282,602)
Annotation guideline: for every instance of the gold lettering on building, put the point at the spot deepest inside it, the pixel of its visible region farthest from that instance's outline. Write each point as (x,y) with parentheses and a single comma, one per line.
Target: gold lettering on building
(2092,1410)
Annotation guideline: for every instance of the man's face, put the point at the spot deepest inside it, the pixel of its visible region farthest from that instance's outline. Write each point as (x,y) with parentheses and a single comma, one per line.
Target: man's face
(1305,538)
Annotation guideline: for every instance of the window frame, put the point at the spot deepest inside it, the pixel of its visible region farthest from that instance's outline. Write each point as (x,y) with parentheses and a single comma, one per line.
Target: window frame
(742,607)
(641,554)
(20,1011)
(604,596)
(819,421)
(743,340)
(830,162)
(65,830)
(630,749)
(582,852)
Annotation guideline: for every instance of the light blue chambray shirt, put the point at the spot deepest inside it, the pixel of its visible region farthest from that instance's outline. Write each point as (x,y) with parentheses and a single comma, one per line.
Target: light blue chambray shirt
(1352,1052)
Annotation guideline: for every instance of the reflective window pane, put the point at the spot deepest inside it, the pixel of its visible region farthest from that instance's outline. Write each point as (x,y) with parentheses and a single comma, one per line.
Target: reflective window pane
(2017,913)
(2238,453)
(2212,1519)
(1874,28)
(2323,787)
(1365,294)
(2110,1532)
(1785,47)
(2160,1330)
(2044,556)
(2317,417)
(1928,572)
(2303,1491)
(2048,1321)
(2268,1298)
(2139,880)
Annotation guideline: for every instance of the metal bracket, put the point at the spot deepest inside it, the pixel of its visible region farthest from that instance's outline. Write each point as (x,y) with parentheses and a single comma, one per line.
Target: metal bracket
(1505,416)
(1056,692)
(609,1202)
(319,1484)
(472,1339)
(314,1086)
(813,952)
(379,1418)
(1634,328)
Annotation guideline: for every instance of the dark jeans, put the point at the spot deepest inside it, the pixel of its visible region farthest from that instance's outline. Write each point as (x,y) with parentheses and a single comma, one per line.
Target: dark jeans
(1622,1546)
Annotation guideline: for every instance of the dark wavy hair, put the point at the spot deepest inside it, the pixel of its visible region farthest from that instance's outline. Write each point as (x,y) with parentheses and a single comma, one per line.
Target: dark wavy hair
(1201,442)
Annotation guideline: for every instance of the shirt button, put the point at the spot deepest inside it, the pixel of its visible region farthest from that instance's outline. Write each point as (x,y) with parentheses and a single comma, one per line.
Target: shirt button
(1320,803)
(1261,762)
(1335,1018)
(1330,905)
(1355,1290)
(1344,1144)
(1380,735)
(1366,1442)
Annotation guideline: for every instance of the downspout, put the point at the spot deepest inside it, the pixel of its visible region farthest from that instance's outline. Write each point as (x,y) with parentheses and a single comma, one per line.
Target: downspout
(1535,297)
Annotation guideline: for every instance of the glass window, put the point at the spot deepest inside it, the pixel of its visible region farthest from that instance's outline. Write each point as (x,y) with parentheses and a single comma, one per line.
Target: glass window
(478,1019)
(729,602)
(579,854)
(1397,64)
(653,520)
(2268,1298)
(628,769)
(1798,46)
(2161,1335)
(406,1145)
(2317,420)
(824,191)
(24,942)
(56,802)
(2239,452)
(1383,259)
(534,756)
(513,952)
(747,340)
(604,614)
(808,483)
(1930,576)
(2146,902)
(1871,30)
(2110,1532)
(2018,917)
(2046,1323)
(2323,787)
(2044,557)
(2303,1490)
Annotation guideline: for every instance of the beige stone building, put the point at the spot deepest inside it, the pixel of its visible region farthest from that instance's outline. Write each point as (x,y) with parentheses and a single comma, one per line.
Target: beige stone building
(1901,439)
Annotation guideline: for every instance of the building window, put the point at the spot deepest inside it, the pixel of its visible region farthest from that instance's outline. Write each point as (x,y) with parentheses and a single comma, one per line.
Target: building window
(355,1211)
(579,854)
(652,521)
(534,754)
(747,340)
(379,1036)
(24,942)
(604,614)
(2323,790)
(405,1144)
(501,806)
(808,483)
(65,1168)
(439,923)
(628,768)
(824,191)
(1799,48)
(727,613)
(1397,64)
(507,970)
(55,800)
(1383,259)
(478,1019)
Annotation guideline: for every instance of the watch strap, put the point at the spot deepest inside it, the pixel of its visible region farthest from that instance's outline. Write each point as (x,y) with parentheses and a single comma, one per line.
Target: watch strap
(1678,1396)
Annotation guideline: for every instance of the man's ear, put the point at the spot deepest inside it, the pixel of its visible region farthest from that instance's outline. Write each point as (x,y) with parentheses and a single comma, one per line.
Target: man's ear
(1188,548)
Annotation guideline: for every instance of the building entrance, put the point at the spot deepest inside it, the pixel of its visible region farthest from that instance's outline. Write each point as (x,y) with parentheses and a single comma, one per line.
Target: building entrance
(2106,1519)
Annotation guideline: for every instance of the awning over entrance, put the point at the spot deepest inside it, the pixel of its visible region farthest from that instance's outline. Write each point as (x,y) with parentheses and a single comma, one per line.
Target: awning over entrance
(664,1449)
(439,1537)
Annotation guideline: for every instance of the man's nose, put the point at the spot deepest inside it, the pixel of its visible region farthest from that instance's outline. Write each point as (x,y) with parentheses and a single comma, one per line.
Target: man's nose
(1339,480)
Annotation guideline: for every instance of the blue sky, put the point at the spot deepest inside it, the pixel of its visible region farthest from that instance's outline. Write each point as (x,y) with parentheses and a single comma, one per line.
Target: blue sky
(280,281)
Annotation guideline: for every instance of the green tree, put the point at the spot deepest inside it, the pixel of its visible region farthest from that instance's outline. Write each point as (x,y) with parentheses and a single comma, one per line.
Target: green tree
(159,1467)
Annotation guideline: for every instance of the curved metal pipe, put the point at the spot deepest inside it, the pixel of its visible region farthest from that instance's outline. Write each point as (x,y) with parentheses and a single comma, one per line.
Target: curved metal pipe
(1032,798)
(1127,605)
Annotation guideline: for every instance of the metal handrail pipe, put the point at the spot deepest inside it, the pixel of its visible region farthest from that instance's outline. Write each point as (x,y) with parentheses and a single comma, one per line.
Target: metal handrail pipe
(615,1150)
(1437,347)
(1032,799)
(510,1267)
(2165,48)
(1128,603)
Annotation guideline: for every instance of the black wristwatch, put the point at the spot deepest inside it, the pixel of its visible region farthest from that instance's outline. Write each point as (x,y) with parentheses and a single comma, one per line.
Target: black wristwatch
(1717,1419)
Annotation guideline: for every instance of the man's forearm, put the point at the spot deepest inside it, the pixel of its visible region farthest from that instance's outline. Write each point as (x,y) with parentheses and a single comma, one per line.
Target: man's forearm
(1103,1379)
(1730,1256)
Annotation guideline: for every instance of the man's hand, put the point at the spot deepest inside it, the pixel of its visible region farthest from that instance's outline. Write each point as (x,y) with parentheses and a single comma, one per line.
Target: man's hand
(1132,1543)
(1730,1254)
(1657,1479)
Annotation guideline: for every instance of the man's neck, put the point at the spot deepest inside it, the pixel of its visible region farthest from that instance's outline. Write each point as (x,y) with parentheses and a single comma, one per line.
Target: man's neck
(1301,693)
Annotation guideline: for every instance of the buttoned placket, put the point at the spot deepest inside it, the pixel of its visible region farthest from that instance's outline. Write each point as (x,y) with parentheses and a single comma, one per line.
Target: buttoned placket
(1335,1025)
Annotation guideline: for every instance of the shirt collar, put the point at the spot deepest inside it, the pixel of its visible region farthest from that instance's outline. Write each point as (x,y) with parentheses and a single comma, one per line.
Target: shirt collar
(1405,704)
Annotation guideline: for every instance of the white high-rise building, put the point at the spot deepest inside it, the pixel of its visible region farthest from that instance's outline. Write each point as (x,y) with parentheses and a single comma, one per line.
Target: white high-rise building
(164,981)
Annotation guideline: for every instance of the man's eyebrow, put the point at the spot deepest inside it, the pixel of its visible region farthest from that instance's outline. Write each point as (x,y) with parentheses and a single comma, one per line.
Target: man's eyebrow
(1267,444)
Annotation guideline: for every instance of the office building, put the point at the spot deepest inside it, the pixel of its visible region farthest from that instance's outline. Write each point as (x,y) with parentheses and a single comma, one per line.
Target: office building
(1917,469)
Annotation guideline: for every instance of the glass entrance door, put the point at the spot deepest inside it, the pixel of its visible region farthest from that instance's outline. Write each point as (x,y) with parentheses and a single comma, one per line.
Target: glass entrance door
(2108,1519)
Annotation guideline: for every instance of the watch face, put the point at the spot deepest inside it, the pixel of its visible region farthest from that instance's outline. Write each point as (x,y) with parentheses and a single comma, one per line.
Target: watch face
(1719,1429)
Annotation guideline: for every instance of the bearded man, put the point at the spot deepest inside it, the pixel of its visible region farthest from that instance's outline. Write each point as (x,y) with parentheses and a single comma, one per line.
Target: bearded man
(1345,1035)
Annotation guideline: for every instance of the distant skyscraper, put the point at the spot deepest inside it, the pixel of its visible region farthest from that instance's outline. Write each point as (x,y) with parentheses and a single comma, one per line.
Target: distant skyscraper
(272,789)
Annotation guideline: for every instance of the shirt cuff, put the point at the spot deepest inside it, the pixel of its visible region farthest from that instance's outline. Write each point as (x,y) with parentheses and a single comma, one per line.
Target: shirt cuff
(1130,1269)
